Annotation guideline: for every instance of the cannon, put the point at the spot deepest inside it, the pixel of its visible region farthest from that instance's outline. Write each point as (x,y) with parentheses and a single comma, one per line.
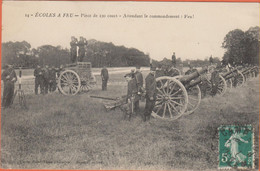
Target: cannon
(76,77)
(234,77)
(177,96)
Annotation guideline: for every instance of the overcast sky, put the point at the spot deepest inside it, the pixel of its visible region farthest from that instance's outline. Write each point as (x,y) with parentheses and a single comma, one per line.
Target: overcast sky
(197,37)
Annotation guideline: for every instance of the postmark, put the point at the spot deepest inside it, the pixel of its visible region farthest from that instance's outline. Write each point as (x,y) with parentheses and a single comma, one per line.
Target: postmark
(236,147)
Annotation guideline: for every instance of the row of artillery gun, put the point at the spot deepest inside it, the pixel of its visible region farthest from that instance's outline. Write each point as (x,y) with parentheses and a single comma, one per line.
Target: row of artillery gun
(181,95)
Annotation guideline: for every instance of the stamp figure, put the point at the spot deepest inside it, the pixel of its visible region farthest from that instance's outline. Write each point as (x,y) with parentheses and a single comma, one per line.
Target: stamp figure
(236,147)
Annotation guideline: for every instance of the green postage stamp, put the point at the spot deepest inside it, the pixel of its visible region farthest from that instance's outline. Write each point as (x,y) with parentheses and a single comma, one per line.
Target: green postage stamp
(236,147)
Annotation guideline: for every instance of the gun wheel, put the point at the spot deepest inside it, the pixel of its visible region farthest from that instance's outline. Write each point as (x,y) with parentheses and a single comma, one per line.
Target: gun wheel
(239,79)
(171,100)
(69,82)
(222,86)
(194,98)
(229,83)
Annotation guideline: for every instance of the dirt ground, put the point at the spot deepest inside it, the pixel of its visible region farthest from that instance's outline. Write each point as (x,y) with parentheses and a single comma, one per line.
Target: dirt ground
(75,132)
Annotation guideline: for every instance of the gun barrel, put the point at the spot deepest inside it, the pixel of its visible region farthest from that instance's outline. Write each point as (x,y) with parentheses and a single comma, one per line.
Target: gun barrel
(188,78)
(105,98)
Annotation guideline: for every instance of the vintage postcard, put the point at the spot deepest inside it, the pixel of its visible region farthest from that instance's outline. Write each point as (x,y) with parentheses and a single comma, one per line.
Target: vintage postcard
(129,85)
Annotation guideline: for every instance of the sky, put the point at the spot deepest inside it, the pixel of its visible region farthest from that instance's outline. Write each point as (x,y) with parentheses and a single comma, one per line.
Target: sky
(196,37)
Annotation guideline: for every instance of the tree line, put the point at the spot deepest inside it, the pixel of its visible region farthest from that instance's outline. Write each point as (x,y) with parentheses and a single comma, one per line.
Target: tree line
(20,54)
(241,48)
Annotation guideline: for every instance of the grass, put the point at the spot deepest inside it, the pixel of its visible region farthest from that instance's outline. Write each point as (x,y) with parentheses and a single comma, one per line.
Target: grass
(61,132)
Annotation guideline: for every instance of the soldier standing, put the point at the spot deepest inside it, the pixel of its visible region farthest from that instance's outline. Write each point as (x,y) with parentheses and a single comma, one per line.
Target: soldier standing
(38,74)
(215,79)
(174,60)
(150,86)
(52,79)
(46,77)
(132,91)
(105,77)
(81,44)
(9,78)
(73,49)
(139,82)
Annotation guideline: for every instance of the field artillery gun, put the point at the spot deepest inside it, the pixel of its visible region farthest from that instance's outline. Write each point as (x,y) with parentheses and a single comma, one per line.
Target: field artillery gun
(250,72)
(76,77)
(177,96)
(234,77)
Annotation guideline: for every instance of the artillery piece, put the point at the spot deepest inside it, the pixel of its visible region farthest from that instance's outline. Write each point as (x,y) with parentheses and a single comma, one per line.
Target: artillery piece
(76,77)
(177,95)
(234,77)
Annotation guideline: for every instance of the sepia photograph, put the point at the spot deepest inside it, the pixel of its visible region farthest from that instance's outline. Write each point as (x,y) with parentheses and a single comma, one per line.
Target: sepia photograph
(95,85)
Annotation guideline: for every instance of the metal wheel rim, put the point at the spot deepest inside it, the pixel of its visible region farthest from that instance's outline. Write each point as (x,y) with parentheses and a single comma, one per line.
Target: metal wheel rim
(222,86)
(69,79)
(177,101)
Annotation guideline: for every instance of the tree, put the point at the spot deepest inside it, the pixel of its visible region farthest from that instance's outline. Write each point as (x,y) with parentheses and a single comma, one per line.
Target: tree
(241,47)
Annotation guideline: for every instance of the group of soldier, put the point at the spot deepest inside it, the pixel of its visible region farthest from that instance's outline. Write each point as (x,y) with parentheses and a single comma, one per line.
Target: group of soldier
(45,78)
(136,91)
(77,49)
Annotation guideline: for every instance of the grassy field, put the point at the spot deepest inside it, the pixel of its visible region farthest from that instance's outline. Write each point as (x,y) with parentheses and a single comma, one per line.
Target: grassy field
(60,132)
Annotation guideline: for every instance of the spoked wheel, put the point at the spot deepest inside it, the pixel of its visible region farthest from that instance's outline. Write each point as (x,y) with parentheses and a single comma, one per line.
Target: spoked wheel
(229,83)
(194,98)
(69,82)
(222,86)
(239,79)
(171,100)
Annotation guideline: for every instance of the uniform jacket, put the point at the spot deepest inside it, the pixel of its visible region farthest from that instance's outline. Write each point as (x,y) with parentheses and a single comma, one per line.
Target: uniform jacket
(132,88)
(104,74)
(12,75)
(139,80)
(150,86)
(38,73)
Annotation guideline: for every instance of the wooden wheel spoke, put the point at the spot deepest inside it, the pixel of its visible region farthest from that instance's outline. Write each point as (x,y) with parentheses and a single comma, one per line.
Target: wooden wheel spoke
(177,98)
(167,90)
(172,88)
(172,95)
(174,108)
(170,111)
(191,105)
(164,110)
(179,104)
(160,91)
(191,98)
(159,109)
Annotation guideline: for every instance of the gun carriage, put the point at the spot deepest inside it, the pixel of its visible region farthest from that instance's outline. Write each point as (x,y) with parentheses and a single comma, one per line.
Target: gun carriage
(177,95)
(76,77)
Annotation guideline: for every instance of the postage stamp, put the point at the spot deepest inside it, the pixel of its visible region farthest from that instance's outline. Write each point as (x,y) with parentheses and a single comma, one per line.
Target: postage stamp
(236,147)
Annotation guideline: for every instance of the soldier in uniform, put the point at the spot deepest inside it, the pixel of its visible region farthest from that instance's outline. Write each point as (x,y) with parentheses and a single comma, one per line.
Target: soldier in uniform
(82,44)
(105,77)
(46,77)
(150,86)
(38,74)
(139,82)
(73,49)
(215,80)
(52,79)
(9,77)
(174,60)
(132,91)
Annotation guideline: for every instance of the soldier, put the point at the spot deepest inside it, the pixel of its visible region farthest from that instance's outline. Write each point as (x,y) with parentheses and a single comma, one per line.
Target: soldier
(73,49)
(52,79)
(105,77)
(215,79)
(174,60)
(46,77)
(150,86)
(132,91)
(139,82)
(38,74)
(60,70)
(82,44)
(9,78)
